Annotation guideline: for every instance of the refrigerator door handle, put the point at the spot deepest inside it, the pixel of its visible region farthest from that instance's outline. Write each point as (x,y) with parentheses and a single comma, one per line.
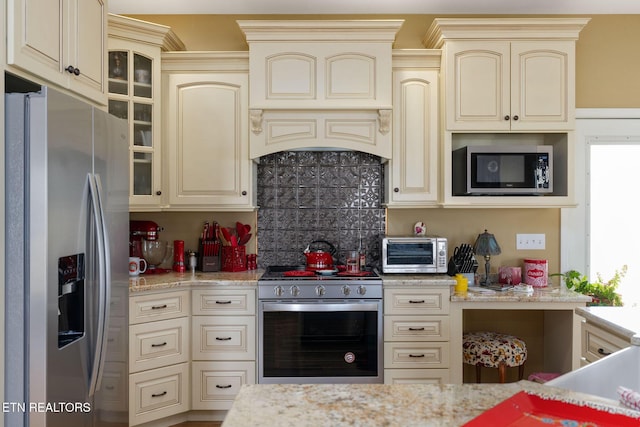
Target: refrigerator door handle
(104,276)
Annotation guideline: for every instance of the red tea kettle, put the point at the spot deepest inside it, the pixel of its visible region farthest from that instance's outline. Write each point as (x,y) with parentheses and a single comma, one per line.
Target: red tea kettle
(319,260)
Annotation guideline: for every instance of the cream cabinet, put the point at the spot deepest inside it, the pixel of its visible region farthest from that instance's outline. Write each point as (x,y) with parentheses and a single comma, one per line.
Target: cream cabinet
(416,335)
(62,42)
(320,83)
(135,95)
(206,129)
(510,86)
(223,346)
(598,342)
(515,74)
(412,172)
(507,81)
(159,355)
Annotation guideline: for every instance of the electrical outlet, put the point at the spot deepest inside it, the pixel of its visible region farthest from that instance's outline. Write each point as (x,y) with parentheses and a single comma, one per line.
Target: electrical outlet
(530,241)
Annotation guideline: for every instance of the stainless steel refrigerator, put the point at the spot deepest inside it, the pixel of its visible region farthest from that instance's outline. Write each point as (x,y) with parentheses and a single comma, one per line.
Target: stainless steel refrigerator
(66,235)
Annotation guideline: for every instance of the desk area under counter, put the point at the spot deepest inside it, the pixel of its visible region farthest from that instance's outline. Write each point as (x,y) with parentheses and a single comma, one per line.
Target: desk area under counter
(545,320)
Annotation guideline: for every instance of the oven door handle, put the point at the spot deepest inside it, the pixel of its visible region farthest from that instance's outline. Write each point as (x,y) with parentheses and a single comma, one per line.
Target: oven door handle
(320,307)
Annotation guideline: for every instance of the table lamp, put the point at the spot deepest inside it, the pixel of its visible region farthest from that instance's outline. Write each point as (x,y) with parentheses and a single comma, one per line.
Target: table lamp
(486,245)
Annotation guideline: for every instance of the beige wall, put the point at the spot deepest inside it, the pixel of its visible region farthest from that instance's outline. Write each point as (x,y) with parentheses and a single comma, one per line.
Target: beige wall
(607,67)
(608,60)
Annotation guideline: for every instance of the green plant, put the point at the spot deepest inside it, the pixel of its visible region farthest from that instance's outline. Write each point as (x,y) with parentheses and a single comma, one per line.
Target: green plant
(601,292)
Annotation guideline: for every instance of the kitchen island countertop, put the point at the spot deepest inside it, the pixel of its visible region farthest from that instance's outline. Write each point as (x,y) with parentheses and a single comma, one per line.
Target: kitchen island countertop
(624,321)
(337,405)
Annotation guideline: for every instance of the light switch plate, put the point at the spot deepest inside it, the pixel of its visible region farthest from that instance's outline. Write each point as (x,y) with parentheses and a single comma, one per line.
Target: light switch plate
(530,241)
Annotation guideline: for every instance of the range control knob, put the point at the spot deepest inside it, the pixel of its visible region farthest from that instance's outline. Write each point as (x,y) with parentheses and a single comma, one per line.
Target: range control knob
(295,290)
(346,290)
(278,290)
(320,290)
(361,290)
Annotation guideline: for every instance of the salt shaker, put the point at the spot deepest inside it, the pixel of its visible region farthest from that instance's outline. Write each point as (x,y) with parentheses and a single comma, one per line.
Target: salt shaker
(192,262)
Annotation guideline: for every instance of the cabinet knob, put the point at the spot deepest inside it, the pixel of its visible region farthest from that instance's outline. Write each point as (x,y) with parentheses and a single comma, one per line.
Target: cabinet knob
(158,193)
(515,117)
(244,193)
(506,117)
(396,190)
(73,70)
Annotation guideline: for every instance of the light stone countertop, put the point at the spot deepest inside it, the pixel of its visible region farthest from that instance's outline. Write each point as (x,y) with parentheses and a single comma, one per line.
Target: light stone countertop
(393,280)
(159,282)
(624,321)
(546,294)
(402,405)
(172,280)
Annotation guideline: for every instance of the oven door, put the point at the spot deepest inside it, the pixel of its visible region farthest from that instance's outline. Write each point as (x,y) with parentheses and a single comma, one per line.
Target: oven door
(320,342)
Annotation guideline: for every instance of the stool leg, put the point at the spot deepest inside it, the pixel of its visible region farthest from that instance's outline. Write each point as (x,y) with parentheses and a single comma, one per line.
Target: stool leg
(478,366)
(502,371)
(520,372)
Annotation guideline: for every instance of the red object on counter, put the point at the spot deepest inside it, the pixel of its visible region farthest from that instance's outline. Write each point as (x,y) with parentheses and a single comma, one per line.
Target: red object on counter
(523,409)
(234,258)
(178,256)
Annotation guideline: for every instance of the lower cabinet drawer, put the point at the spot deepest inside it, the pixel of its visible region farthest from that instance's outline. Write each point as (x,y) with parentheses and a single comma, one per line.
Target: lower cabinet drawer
(223,337)
(416,376)
(416,355)
(216,384)
(416,328)
(157,344)
(598,343)
(158,393)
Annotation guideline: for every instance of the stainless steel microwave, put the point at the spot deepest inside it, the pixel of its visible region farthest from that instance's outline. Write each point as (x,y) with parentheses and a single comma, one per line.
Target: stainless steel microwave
(414,255)
(500,169)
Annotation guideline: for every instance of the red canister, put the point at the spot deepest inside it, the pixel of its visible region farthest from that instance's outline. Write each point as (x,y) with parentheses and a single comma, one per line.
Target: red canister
(178,256)
(536,272)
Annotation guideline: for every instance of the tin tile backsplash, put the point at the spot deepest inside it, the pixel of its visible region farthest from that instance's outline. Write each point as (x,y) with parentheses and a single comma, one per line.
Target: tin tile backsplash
(334,196)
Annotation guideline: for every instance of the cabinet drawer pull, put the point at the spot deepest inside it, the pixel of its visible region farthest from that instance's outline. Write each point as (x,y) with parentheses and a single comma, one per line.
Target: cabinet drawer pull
(158,307)
(159,345)
(159,394)
(223,302)
(223,386)
(416,355)
(421,301)
(223,338)
(603,352)
(416,329)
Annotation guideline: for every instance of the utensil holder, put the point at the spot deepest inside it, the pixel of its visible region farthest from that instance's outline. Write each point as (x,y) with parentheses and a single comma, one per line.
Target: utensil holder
(234,258)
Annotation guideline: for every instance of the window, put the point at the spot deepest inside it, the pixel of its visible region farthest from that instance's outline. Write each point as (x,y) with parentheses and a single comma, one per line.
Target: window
(602,234)
(612,203)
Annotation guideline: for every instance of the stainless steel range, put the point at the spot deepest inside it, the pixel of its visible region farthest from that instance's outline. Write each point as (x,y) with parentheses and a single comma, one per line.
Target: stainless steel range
(319,328)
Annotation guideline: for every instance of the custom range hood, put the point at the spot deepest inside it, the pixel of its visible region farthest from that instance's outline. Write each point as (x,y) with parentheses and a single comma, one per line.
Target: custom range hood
(320,84)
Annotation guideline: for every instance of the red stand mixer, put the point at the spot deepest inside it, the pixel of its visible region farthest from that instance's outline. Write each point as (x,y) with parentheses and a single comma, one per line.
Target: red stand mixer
(144,243)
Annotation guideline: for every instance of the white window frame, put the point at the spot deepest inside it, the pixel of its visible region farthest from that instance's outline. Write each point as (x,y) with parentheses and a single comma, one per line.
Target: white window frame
(612,123)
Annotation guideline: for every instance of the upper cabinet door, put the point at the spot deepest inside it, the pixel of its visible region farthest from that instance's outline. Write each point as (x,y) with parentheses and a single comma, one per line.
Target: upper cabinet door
(413,170)
(478,85)
(510,86)
(207,141)
(542,85)
(87,48)
(62,42)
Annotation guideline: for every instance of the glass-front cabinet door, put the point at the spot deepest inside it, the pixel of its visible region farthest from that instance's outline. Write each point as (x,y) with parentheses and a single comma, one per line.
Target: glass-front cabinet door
(134,96)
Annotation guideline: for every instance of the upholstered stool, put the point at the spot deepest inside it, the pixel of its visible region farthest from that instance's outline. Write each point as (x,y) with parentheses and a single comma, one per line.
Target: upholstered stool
(494,350)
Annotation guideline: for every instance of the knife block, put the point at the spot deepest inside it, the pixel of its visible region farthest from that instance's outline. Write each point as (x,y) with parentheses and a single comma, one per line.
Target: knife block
(209,263)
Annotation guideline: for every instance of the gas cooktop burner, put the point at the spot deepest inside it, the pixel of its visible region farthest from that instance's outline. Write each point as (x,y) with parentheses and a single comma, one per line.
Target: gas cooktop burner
(296,272)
